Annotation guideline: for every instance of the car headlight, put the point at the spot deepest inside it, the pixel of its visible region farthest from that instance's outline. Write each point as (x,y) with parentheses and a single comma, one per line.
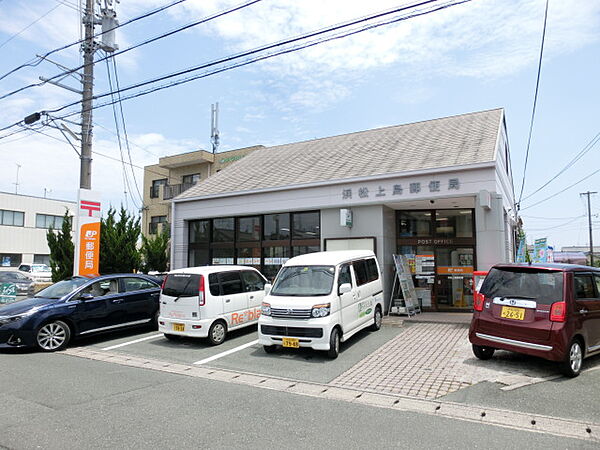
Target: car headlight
(321,310)
(10,319)
(266,309)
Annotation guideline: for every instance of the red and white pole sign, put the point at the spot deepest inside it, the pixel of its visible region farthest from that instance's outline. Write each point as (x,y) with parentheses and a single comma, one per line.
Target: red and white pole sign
(87,243)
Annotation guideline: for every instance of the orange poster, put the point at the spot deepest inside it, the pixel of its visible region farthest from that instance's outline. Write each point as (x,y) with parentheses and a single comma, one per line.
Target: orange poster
(455,270)
(89,249)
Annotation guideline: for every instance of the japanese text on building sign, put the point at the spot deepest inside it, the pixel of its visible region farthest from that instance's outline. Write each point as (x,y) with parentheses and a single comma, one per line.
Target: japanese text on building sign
(398,189)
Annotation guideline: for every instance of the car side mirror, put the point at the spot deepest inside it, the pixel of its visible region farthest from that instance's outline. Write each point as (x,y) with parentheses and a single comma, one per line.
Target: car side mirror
(344,288)
(268,288)
(86,296)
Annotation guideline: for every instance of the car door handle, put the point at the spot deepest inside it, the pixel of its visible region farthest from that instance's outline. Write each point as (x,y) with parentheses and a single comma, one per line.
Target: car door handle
(251,297)
(117,300)
(227,300)
(583,311)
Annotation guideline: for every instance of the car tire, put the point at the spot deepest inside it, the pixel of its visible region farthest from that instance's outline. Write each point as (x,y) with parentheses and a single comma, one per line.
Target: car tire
(483,352)
(571,366)
(334,344)
(53,336)
(217,332)
(270,348)
(172,337)
(377,319)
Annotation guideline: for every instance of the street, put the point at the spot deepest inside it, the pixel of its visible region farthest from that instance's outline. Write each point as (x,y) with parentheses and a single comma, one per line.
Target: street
(136,389)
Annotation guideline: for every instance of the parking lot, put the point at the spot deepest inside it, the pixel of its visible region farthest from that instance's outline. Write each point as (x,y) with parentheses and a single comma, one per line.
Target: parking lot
(424,360)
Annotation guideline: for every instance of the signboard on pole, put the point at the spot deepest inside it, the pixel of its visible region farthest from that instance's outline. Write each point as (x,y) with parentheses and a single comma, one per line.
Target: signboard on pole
(87,243)
(540,249)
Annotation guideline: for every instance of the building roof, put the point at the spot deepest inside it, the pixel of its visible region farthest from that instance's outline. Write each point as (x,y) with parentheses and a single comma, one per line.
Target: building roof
(451,141)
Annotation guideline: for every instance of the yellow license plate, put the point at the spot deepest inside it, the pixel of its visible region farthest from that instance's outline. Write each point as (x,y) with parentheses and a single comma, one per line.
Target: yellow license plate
(291,342)
(178,327)
(508,312)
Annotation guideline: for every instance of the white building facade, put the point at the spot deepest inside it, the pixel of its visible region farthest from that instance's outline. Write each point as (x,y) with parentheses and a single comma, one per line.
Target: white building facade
(439,192)
(24,221)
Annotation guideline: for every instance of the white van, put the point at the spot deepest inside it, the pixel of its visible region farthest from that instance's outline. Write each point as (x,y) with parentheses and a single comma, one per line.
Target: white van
(321,299)
(208,301)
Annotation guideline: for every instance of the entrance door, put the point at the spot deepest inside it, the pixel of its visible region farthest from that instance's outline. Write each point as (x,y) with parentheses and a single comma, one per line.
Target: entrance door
(454,278)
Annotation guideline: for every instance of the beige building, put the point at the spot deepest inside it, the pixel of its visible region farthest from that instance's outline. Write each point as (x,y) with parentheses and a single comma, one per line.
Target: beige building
(174,175)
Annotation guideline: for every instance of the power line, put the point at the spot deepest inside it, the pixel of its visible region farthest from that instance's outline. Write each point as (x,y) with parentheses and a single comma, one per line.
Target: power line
(317,41)
(577,157)
(28,26)
(537,85)
(148,41)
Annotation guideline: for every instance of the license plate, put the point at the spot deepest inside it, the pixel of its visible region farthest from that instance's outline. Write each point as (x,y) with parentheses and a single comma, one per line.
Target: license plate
(508,312)
(291,342)
(178,327)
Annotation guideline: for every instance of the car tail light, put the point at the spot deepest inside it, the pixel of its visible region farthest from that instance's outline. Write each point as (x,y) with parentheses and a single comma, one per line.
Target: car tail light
(164,282)
(558,312)
(478,303)
(201,291)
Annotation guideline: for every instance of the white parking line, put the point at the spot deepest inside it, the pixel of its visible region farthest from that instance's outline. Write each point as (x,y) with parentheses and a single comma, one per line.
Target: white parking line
(228,352)
(133,342)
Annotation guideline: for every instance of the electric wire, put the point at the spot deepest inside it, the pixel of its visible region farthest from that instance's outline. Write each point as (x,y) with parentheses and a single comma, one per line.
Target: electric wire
(64,47)
(535,97)
(292,49)
(577,157)
(28,26)
(148,41)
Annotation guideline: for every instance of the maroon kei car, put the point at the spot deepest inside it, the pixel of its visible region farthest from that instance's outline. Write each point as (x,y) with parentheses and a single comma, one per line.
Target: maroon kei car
(546,310)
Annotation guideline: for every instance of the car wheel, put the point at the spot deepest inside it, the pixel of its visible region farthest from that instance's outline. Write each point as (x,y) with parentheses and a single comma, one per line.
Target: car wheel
(53,336)
(172,337)
(571,366)
(334,344)
(217,332)
(270,348)
(377,319)
(483,352)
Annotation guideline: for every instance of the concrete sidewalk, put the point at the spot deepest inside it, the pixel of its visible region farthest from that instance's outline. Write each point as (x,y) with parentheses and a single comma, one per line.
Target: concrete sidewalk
(429,317)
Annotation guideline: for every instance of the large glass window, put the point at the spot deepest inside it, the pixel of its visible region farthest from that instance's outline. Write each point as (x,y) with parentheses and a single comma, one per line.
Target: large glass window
(222,256)
(155,188)
(198,257)
(414,223)
(454,223)
(223,229)
(249,256)
(248,229)
(274,258)
(306,225)
(298,250)
(10,259)
(47,221)
(13,218)
(199,231)
(277,227)
(41,259)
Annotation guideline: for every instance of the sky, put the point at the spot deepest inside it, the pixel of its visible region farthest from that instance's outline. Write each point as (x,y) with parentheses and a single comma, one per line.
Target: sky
(474,56)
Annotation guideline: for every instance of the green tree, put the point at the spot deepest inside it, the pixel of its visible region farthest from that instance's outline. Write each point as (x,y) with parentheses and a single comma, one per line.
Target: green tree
(118,242)
(62,250)
(155,251)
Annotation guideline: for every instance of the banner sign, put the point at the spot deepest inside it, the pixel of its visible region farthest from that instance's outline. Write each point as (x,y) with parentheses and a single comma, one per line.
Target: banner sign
(87,248)
(521,251)
(540,249)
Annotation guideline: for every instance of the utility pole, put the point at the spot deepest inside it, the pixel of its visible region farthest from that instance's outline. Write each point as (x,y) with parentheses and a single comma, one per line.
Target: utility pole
(16,183)
(588,194)
(88,48)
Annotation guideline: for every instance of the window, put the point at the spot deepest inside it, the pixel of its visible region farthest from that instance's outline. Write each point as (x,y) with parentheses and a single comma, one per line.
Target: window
(10,259)
(372,272)
(41,259)
(155,188)
(213,284)
(136,284)
(103,287)
(298,250)
(12,218)
(344,276)
(222,256)
(231,283)
(223,230)
(47,221)
(182,285)
(199,231)
(306,225)
(597,280)
(248,229)
(191,179)
(414,223)
(277,227)
(454,223)
(304,281)
(154,221)
(584,286)
(360,271)
(252,281)
(198,257)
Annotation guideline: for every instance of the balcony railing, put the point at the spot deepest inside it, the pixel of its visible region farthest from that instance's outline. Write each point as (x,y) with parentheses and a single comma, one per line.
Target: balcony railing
(173,190)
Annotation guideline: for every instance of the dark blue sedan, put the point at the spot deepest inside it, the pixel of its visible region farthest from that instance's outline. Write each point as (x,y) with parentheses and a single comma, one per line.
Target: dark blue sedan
(78,307)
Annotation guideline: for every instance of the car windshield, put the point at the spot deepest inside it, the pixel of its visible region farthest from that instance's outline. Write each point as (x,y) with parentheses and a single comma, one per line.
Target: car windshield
(543,286)
(304,281)
(62,288)
(40,268)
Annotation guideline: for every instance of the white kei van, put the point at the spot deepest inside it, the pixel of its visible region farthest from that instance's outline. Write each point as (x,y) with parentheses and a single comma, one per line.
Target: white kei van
(208,301)
(321,299)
